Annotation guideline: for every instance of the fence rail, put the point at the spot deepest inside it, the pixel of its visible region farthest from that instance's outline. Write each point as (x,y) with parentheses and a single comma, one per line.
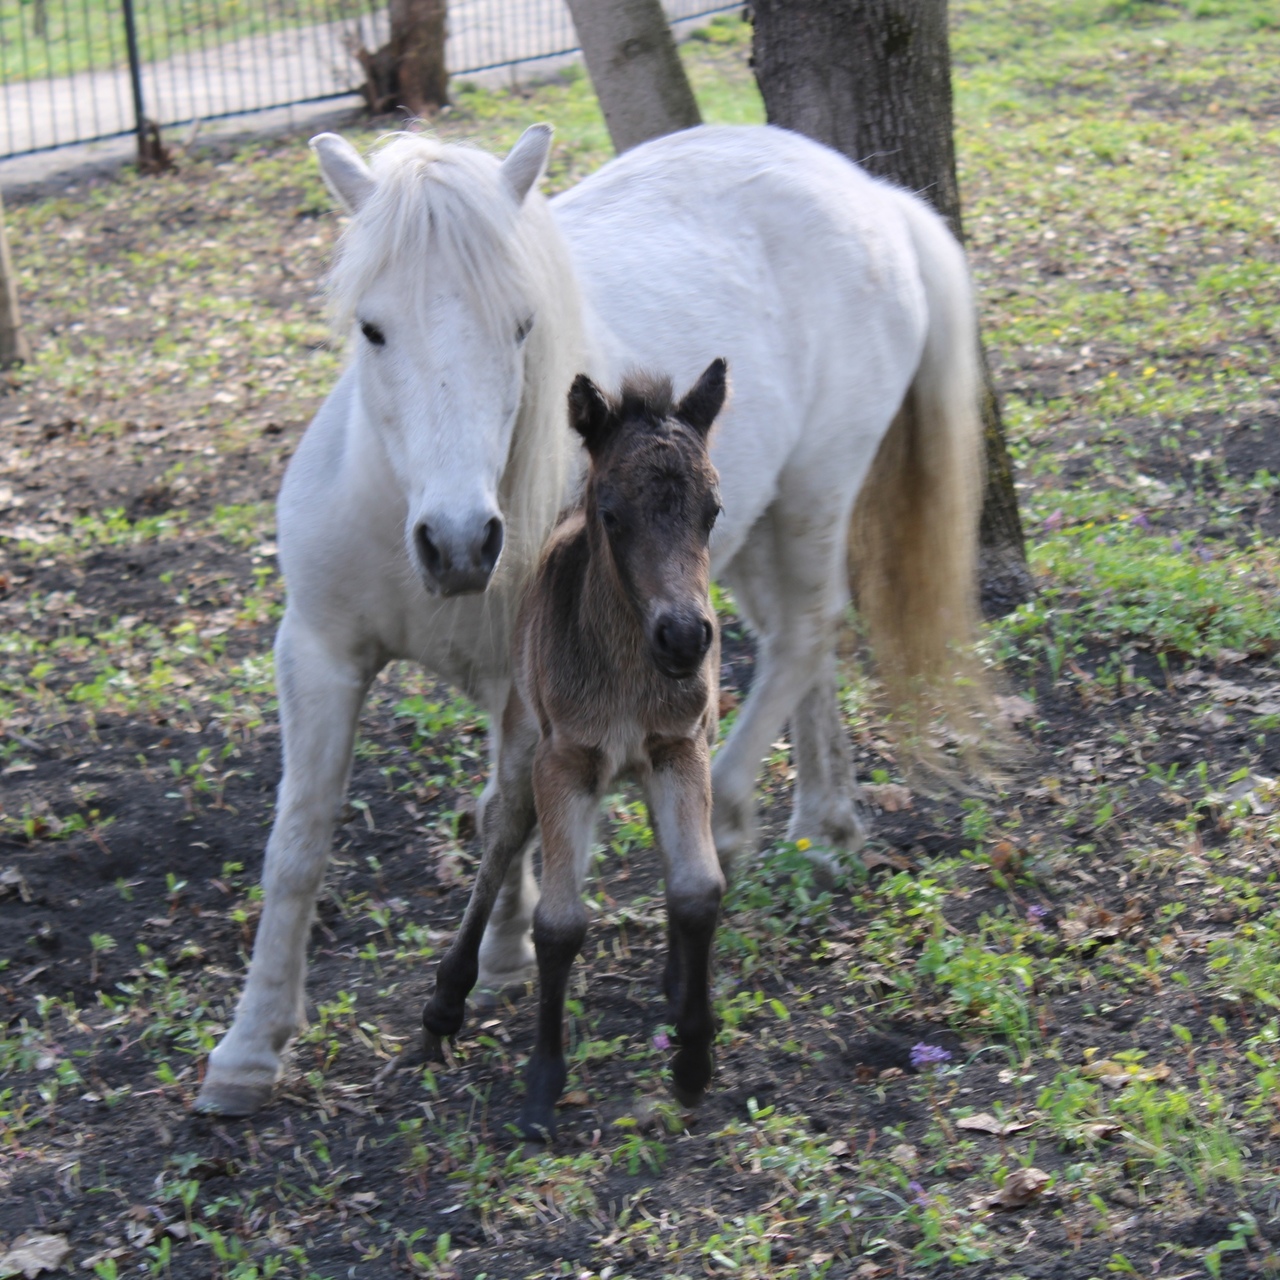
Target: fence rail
(82,70)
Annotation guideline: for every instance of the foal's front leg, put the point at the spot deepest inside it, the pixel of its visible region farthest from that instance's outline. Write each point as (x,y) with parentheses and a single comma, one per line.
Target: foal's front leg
(566,782)
(679,795)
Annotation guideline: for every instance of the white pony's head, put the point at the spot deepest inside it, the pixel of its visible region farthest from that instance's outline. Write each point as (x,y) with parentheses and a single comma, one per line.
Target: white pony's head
(439,279)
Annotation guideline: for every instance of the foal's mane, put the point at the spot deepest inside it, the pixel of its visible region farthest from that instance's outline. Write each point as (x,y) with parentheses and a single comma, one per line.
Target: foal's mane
(434,202)
(645,395)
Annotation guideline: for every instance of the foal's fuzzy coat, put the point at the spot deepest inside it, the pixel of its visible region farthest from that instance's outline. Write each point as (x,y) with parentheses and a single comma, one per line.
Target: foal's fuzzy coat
(616,669)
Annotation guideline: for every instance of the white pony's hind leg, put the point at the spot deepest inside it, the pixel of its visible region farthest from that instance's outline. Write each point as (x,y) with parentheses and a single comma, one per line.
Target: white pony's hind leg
(507,957)
(824,803)
(786,586)
(320,700)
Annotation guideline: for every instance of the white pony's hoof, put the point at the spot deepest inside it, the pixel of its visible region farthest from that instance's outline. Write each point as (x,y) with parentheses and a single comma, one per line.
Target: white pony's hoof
(493,989)
(230,1098)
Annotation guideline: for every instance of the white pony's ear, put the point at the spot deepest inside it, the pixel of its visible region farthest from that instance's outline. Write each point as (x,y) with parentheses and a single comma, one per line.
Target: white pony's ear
(524,165)
(344,172)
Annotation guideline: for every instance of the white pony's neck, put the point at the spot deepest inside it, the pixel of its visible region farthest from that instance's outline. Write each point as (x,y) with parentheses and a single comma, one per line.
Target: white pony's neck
(545,465)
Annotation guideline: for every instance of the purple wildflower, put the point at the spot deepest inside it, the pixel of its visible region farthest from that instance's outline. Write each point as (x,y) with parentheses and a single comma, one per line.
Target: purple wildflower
(661,1040)
(1054,521)
(1141,520)
(918,1193)
(1204,553)
(928,1055)
(1036,913)
(1175,544)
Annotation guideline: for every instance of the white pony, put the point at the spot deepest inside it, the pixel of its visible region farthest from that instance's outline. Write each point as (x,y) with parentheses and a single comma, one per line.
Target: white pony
(420,497)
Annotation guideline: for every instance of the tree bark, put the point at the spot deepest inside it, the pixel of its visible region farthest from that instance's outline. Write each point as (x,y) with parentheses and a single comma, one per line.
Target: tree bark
(632,60)
(13,346)
(409,71)
(872,79)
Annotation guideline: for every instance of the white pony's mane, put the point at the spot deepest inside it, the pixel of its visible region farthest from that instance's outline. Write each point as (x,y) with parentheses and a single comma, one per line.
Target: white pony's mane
(436,205)
(434,202)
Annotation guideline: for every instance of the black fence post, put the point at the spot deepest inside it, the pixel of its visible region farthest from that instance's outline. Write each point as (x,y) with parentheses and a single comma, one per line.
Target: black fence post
(135,76)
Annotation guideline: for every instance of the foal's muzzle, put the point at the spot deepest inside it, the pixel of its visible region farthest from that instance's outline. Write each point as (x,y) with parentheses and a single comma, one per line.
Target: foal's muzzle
(456,565)
(679,640)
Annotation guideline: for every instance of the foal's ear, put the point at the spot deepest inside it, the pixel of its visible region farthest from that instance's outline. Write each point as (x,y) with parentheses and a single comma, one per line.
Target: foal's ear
(706,398)
(345,173)
(589,413)
(526,160)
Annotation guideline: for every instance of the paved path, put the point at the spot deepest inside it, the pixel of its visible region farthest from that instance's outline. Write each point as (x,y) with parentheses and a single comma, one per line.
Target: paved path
(286,66)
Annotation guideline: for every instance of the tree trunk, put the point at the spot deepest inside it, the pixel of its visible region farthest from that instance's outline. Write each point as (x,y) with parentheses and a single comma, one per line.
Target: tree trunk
(409,70)
(13,347)
(631,56)
(872,79)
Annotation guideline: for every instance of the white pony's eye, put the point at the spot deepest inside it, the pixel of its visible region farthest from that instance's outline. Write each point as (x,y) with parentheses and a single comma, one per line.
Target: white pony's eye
(522,330)
(373,333)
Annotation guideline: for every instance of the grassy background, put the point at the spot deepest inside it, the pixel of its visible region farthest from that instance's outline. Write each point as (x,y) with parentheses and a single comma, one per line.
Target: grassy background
(1097,943)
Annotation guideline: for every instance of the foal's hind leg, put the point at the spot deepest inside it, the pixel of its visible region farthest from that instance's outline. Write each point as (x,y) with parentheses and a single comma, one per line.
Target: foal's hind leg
(679,795)
(509,822)
(320,699)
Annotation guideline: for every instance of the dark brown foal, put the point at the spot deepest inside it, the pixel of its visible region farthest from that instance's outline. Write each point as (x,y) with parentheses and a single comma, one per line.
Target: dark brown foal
(616,671)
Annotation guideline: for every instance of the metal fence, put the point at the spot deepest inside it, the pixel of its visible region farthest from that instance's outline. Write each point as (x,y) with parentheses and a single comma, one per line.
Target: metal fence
(80,70)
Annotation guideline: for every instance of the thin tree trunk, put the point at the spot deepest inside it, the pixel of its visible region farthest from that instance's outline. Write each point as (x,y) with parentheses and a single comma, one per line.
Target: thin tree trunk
(872,79)
(13,346)
(631,56)
(409,71)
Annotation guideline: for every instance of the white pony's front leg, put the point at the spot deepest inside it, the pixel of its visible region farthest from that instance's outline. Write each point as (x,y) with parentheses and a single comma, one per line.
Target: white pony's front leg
(320,700)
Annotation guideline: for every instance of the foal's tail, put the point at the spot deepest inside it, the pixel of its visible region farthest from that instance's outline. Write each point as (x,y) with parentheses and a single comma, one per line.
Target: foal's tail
(914,537)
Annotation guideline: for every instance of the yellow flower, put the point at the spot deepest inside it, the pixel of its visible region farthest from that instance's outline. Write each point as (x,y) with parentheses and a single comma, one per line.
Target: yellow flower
(1148,372)
(802,844)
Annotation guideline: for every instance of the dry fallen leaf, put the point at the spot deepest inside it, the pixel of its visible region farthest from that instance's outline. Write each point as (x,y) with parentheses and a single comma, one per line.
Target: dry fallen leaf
(574,1098)
(892,797)
(984,1123)
(1014,710)
(905,1156)
(1099,1131)
(873,858)
(1020,1188)
(34,1253)
(1118,1075)
(1005,857)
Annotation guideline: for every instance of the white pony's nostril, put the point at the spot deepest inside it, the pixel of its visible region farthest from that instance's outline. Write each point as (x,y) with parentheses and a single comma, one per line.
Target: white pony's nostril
(433,559)
(491,549)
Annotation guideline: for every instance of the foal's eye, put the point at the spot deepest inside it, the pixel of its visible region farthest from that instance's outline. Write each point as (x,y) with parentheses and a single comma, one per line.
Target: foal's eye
(611,519)
(522,330)
(713,513)
(373,333)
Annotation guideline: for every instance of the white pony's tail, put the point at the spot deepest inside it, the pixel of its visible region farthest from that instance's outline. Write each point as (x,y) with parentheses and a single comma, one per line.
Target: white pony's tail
(914,537)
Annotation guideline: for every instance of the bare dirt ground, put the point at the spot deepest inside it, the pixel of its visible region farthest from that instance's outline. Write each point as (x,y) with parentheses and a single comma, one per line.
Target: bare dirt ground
(1089,951)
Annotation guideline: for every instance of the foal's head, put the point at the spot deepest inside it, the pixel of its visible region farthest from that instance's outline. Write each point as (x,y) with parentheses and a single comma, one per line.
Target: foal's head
(652,498)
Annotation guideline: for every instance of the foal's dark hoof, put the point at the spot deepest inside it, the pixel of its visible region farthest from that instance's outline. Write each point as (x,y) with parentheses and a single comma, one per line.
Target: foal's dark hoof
(432,1046)
(544,1080)
(691,1073)
(441,1020)
(537,1121)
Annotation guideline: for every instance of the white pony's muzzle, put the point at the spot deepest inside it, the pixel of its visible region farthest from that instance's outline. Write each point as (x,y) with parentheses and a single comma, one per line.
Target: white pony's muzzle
(457,558)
